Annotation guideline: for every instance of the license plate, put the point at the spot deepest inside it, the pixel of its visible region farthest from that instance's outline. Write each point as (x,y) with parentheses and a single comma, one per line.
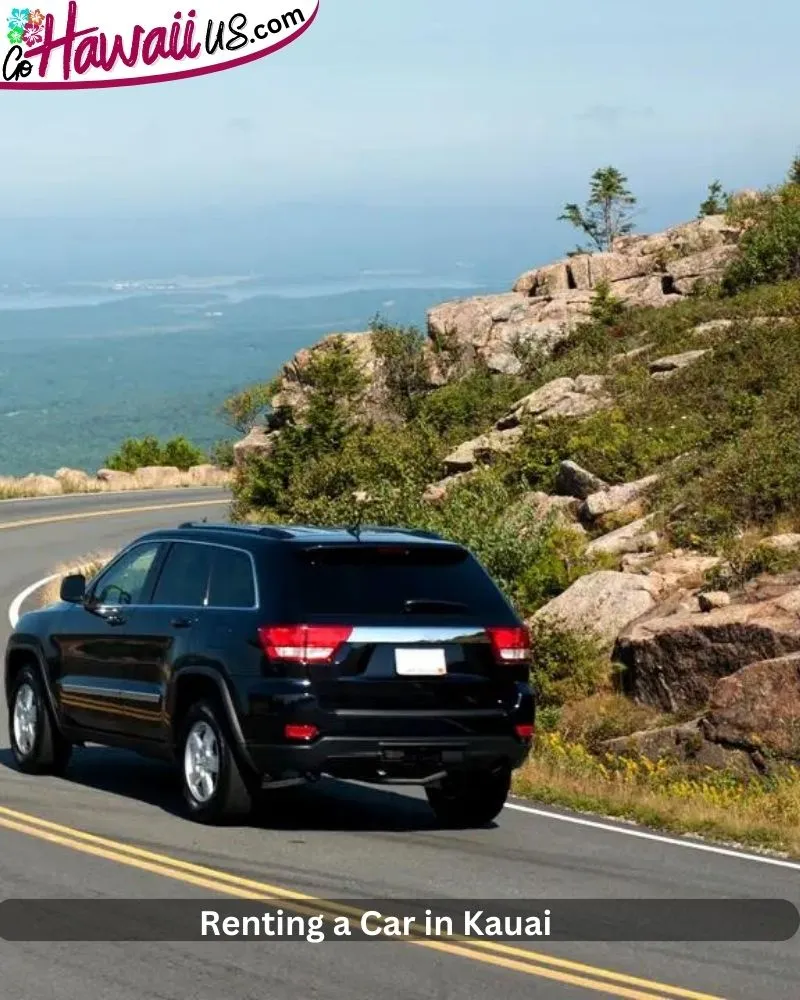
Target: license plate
(420,662)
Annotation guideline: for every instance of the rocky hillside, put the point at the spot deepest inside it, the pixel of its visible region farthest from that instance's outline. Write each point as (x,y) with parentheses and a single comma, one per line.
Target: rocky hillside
(545,304)
(618,438)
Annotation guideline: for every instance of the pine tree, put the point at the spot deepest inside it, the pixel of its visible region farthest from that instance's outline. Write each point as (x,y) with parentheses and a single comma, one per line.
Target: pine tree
(716,200)
(607,214)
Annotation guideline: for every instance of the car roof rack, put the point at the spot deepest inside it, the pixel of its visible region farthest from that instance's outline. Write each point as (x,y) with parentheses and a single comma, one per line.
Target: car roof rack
(251,529)
(298,531)
(415,532)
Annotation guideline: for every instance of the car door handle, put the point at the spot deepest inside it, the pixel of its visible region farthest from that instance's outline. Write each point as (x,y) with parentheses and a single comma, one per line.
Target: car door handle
(114,619)
(182,622)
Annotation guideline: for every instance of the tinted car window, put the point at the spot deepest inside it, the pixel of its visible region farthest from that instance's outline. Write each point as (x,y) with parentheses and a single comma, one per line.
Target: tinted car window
(124,582)
(184,579)
(232,583)
(396,580)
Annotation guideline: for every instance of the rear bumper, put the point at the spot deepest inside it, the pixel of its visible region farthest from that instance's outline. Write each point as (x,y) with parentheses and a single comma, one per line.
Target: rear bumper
(399,761)
(409,747)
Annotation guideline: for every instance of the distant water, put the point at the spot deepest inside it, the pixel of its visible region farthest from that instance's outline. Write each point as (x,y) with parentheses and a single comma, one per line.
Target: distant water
(84,365)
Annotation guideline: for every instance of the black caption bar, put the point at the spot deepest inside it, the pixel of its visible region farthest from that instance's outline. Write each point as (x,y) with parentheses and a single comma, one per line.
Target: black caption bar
(381,920)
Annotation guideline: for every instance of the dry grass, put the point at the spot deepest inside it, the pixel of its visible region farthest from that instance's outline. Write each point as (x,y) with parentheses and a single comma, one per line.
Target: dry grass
(758,812)
(70,482)
(605,716)
(89,565)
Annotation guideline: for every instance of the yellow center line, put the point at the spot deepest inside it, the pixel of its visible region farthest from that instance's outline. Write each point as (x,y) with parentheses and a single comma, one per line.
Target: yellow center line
(504,956)
(111,512)
(226,883)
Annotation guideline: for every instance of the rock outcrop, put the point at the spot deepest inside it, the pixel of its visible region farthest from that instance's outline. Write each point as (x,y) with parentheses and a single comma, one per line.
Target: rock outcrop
(674,661)
(259,443)
(682,570)
(758,707)
(663,368)
(293,381)
(616,498)
(713,599)
(563,397)
(603,603)
(547,302)
(481,450)
(789,542)
(75,480)
(498,330)
(575,481)
(687,743)
(31,486)
(638,536)
(502,332)
(112,481)
(532,510)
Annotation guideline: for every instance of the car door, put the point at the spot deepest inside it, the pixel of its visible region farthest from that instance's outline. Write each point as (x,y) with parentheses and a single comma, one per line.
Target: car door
(169,628)
(231,614)
(100,684)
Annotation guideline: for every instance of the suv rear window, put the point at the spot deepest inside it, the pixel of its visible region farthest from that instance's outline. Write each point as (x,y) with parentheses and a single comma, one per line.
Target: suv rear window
(396,580)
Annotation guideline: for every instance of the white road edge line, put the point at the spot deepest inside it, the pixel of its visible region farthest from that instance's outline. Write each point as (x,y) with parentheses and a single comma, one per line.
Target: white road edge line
(14,616)
(657,837)
(16,605)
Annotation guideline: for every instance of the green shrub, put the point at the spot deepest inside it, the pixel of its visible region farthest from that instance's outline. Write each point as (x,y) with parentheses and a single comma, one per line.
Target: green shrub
(334,387)
(745,558)
(716,201)
(138,453)
(606,309)
(181,453)
(222,454)
(465,408)
(604,716)
(243,410)
(566,664)
(751,479)
(769,251)
(400,351)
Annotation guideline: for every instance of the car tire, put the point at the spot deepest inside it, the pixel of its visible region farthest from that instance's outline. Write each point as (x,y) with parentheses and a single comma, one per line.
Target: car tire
(214,787)
(37,745)
(470,798)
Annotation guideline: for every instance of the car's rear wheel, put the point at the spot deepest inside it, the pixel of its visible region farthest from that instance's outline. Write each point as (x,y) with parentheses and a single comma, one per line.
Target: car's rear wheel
(37,745)
(470,798)
(214,788)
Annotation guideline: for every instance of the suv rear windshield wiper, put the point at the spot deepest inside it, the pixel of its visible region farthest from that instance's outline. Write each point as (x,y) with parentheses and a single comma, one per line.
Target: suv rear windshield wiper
(432,606)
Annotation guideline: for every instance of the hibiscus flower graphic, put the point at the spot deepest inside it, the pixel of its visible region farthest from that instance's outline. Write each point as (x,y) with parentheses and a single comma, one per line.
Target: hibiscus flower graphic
(19,18)
(15,36)
(36,17)
(33,34)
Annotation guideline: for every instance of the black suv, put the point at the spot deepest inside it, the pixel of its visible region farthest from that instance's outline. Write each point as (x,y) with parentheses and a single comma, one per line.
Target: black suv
(260,657)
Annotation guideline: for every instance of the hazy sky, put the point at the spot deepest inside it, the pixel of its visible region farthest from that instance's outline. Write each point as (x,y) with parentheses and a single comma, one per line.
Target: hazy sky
(421,102)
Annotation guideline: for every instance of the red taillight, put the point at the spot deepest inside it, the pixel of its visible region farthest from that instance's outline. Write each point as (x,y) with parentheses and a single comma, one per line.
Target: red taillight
(303,643)
(524,732)
(511,645)
(296,731)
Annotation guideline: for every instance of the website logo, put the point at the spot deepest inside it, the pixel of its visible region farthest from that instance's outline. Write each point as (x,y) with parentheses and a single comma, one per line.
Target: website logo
(93,43)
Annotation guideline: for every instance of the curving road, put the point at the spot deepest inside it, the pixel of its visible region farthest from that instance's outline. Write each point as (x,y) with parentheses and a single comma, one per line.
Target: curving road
(79,836)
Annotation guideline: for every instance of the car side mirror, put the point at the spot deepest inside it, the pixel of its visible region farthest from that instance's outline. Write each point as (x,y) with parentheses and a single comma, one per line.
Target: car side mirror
(73,589)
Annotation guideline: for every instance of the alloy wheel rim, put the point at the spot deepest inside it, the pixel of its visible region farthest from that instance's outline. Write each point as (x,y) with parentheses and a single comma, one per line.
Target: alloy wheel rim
(26,719)
(201,762)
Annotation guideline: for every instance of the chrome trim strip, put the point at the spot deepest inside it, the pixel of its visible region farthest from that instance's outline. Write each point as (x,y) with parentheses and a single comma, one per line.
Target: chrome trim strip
(404,634)
(443,713)
(97,690)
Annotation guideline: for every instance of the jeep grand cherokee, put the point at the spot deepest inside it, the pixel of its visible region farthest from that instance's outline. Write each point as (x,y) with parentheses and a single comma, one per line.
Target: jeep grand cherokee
(259,657)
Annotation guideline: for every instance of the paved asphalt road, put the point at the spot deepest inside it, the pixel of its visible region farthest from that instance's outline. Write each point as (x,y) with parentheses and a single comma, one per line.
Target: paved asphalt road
(334,841)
